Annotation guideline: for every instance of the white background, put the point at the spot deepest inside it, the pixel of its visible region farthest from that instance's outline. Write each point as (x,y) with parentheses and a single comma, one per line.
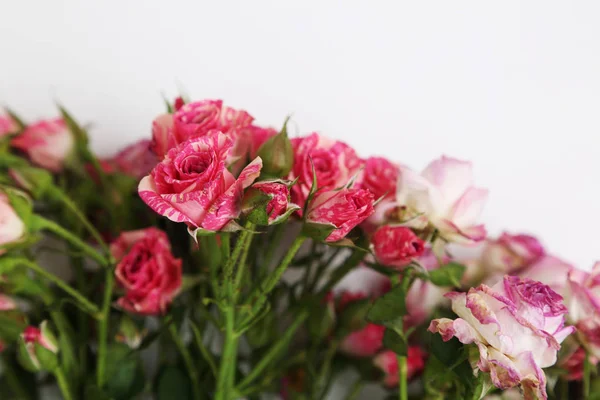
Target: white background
(513,86)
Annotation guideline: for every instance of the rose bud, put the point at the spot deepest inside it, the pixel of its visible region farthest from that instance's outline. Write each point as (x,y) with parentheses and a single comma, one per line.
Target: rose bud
(12,228)
(7,126)
(48,144)
(396,246)
(277,154)
(387,361)
(334,164)
(339,211)
(35,181)
(135,160)
(443,193)
(146,270)
(192,184)
(38,349)
(380,177)
(268,202)
(178,103)
(517,325)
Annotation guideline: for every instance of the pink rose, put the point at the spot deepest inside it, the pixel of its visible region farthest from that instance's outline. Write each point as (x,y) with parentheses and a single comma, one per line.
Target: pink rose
(279,205)
(380,177)
(341,209)
(193,185)
(444,194)
(387,361)
(518,325)
(195,120)
(254,137)
(47,143)
(510,253)
(335,163)
(136,160)
(396,246)
(366,341)
(7,126)
(573,363)
(12,227)
(6,303)
(146,270)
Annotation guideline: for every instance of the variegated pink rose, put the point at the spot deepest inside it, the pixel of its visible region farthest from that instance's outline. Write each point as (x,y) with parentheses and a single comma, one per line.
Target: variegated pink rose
(380,177)
(7,126)
(48,143)
(12,227)
(146,270)
(396,246)
(335,164)
(444,195)
(279,205)
(518,325)
(511,253)
(197,119)
(192,184)
(387,362)
(136,160)
(342,210)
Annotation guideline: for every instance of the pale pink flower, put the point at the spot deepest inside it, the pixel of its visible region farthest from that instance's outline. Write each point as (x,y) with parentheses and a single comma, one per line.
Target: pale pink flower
(48,143)
(7,126)
(12,227)
(518,325)
(192,184)
(511,253)
(444,194)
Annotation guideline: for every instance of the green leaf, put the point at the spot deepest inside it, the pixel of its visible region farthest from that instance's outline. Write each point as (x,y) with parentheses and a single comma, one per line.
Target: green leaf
(92,392)
(389,307)
(11,326)
(20,123)
(353,317)
(395,342)
(76,129)
(318,232)
(124,372)
(277,154)
(447,275)
(172,383)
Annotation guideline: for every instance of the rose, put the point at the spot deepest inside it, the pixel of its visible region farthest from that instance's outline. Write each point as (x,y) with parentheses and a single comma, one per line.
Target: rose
(12,227)
(380,177)
(48,143)
(278,206)
(335,163)
(573,363)
(194,120)
(396,246)
(193,185)
(38,347)
(341,210)
(7,126)
(517,326)
(387,361)
(444,194)
(6,303)
(254,137)
(136,160)
(367,340)
(146,270)
(510,253)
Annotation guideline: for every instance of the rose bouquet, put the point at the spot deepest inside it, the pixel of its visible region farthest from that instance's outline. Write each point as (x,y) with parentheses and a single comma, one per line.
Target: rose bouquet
(219,259)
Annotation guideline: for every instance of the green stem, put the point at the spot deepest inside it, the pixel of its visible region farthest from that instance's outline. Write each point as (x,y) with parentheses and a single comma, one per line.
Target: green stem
(227,367)
(586,376)
(228,270)
(103,328)
(241,265)
(203,350)
(15,385)
(276,238)
(82,318)
(355,389)
(273,352)
(62,196)
(83,302)
(187,360)
(402,378)
(53,227)
(63,384)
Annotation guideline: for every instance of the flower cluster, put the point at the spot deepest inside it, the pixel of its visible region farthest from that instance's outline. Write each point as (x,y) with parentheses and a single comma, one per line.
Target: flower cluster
(191,231)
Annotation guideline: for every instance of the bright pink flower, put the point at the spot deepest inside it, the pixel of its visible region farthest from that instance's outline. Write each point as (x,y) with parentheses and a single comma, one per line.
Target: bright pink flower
(280,193)
(574,364)
(387,361)
(7,126)
(511,253)
(342,209)
(396,246)
(255,136)
(195,120)
(518,326)
(335,163)
(365,342)
(178,103)
(444,194)
(12,227)
(136,160)
(193,185)
(47,143)
(380,177)
(146,270)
